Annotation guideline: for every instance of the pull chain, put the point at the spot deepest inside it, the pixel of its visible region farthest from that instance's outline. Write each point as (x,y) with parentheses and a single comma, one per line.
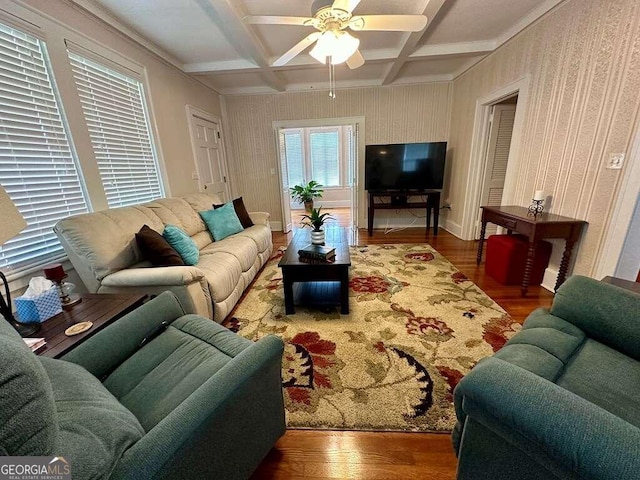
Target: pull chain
(332,79)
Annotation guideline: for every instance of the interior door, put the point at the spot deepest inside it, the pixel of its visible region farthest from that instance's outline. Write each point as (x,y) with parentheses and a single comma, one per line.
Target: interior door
(287,222)
(500,132)
(210,158)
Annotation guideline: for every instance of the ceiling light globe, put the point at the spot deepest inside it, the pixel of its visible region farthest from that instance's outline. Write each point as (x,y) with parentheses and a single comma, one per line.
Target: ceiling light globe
(340,46)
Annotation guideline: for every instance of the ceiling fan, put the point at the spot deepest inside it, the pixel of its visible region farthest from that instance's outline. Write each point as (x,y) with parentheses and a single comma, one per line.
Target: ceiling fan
(334,44)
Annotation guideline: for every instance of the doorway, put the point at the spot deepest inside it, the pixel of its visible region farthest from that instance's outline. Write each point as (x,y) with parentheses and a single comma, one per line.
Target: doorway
(477,176)
(496,160)
(327,151)
(209,153)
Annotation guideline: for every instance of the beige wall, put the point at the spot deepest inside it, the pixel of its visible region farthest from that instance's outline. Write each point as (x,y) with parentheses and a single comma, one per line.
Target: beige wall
(582,64)
(169,89)
(392,115)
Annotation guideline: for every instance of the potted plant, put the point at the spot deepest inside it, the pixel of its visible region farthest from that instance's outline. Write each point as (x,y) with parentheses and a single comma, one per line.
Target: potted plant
(316,220)
(306,193)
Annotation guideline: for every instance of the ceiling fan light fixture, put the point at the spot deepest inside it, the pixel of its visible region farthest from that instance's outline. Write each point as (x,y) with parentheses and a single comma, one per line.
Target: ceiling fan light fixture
(338,45)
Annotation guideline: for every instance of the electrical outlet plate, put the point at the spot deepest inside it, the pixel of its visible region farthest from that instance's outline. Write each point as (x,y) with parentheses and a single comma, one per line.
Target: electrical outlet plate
(615,161)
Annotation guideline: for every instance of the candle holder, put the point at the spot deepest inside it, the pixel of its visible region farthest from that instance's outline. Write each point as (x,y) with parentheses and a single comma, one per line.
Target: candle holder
(56,274)
(536,208)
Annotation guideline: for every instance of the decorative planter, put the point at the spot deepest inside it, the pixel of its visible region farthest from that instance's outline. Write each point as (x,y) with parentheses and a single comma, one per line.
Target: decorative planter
(317,237)
(308,206)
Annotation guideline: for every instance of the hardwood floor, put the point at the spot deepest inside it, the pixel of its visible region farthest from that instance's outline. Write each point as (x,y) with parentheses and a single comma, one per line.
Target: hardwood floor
(322,454)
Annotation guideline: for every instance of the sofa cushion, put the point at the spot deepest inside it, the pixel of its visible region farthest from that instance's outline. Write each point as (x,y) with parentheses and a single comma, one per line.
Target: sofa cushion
(155,248)
(222,222)
(27,413)
(183,244)
(260,235)
(177,211)
(222,271)
(607,378)
(544,346)
(242,248)
(95,429)
(241,211)
(160,376)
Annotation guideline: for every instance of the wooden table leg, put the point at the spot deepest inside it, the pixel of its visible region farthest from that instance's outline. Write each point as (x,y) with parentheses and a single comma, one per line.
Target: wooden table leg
(483,230)
(288,295)
(564,264)
(428,218)
(344,291)
(371,210)
(531,253)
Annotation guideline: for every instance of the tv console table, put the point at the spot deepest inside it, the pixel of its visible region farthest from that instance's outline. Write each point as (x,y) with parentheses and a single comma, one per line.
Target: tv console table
(399,200)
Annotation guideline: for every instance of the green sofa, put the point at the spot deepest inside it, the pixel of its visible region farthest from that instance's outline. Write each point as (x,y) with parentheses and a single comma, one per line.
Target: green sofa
(195,401)
(561,400)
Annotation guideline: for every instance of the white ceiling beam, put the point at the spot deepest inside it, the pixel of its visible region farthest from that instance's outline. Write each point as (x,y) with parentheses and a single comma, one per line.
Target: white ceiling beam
(527,20)
(227,16)
(228,66)
(447,49)
(410,42)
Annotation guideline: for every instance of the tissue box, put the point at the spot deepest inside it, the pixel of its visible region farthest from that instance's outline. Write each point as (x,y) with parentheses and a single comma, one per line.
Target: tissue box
(39,308)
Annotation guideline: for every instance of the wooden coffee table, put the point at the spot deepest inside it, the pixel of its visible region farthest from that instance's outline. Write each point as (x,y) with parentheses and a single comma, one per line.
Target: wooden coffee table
(316,283)
(99,308)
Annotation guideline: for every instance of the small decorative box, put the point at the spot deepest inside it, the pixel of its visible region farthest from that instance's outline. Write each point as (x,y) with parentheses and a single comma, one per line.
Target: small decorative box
(39,308)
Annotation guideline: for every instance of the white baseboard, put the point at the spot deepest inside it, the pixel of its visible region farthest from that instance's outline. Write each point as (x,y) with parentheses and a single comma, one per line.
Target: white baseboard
(550,278)
(275,226)
(453,228)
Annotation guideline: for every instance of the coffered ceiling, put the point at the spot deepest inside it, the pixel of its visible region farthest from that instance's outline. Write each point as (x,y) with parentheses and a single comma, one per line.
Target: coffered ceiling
(208,38)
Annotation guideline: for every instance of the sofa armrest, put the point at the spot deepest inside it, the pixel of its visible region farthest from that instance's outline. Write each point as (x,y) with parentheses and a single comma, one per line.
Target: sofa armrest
(260,218)
(240,407)
(563,432)
(157,276)
(606,313)
(108,348)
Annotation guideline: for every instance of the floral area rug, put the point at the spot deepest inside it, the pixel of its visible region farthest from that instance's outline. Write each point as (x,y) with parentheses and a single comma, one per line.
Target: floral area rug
(416,326)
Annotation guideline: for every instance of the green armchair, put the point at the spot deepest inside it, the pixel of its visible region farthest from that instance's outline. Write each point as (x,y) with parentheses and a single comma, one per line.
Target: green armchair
(561,400)
(195,401)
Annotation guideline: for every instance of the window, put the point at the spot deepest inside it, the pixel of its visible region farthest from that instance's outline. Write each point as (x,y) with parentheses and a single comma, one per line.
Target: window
(324,151)
(117,120)
(313,154)
(37,166)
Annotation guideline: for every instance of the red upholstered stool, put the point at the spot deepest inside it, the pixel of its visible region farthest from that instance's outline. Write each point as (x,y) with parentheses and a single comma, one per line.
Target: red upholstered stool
(507,257)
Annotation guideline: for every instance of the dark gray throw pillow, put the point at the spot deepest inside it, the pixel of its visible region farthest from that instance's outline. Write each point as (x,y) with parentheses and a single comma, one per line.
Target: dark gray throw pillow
(241,211)
(156,249)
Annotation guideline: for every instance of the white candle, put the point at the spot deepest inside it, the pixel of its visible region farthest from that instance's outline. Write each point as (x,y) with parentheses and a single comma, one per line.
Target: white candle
(539,195)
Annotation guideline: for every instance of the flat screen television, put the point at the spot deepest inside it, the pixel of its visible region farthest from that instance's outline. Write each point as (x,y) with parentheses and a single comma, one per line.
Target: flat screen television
(405,166)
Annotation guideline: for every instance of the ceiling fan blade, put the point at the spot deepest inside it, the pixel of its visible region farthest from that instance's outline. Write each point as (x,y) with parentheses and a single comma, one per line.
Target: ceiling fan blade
(345,5)
(297,49)
(355,61)
(267,20)
(389,23)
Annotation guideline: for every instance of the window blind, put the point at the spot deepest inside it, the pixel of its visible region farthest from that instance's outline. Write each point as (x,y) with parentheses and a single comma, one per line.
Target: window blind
(295,157)
(37,167)
(115,113)
(324,157)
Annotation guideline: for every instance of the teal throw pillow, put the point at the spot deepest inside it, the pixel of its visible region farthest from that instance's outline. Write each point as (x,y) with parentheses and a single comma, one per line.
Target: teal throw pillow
(182,243)
(222,221)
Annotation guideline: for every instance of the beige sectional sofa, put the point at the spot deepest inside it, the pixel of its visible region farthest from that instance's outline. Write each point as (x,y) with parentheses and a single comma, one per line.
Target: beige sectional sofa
(103,250)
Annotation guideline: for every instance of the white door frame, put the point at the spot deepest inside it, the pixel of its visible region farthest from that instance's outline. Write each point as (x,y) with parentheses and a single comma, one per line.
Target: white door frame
(359,165)
(192,112)
(621,213)
(479,147)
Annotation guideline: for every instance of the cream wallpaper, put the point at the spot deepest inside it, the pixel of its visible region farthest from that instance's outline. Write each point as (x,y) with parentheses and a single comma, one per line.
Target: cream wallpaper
(582,62)
(392,115)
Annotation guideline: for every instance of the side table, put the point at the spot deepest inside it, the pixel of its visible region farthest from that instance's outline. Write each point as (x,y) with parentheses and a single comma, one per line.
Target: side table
(99,308)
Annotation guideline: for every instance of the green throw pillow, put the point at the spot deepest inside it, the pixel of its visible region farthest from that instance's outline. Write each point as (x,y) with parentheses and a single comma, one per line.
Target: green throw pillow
(222,221)
(182,242)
